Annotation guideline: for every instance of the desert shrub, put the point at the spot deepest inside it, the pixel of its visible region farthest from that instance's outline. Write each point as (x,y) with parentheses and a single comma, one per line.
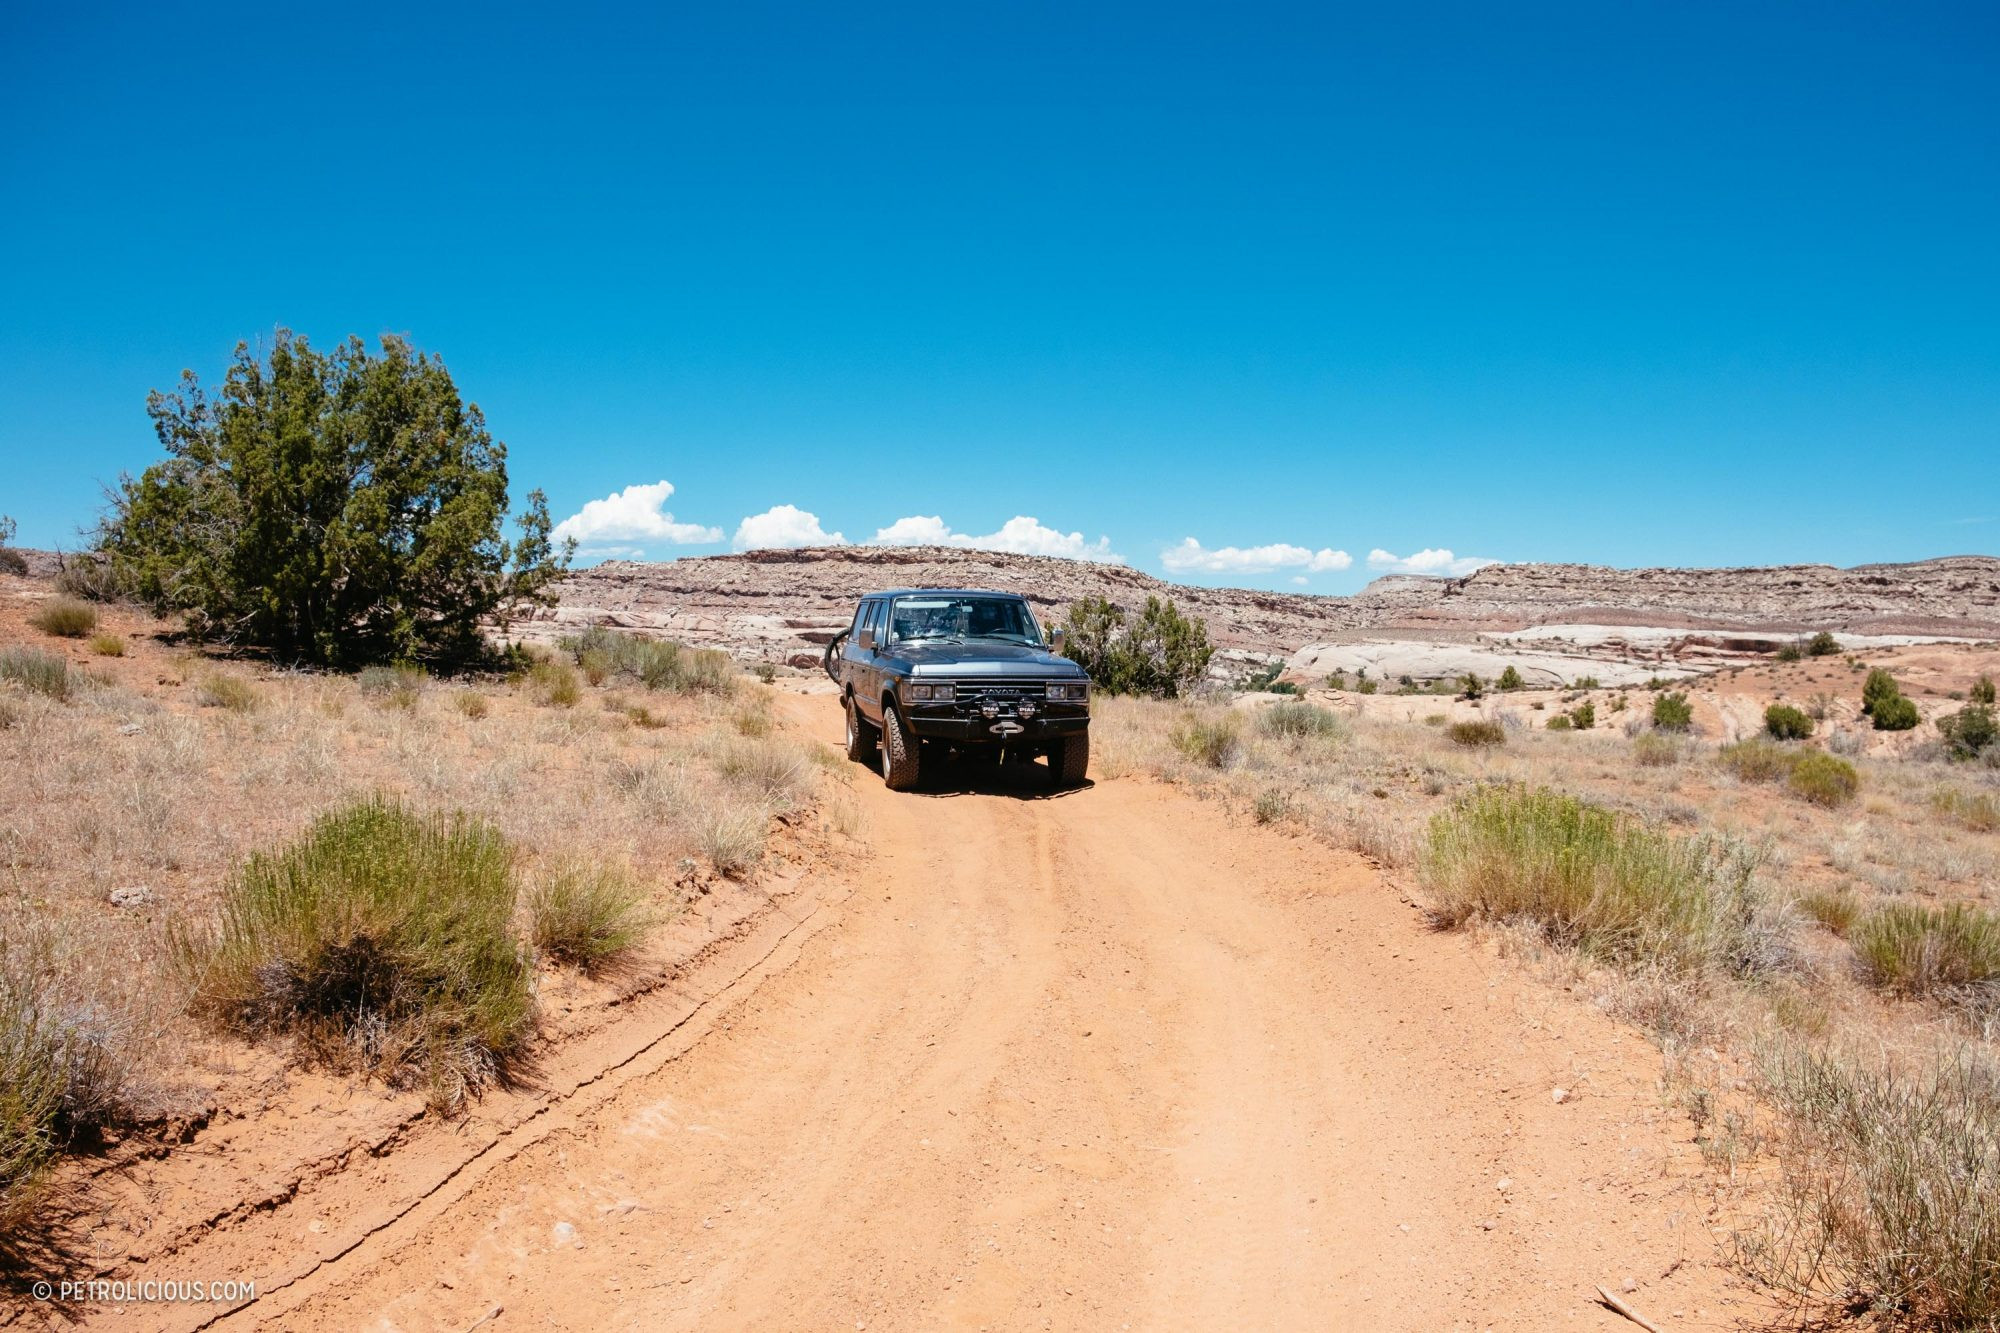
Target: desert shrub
(1299,721)
(774,768)
(375,533)
(1262,678)
(1560,722)
(1791,652)
(1471,686)
(1584,715)
(1651,750)
(1758,759)
(554,683)
(1787,723)
(30,1101)
(1896,714)
(89,577)
(596,665)
(1969,732)
(1824,780)
(11,560)
(1272,805)
(1822,644)
(65,618)
(1435,719)
(219,689)
(1585,683)
(766,672)
(471,703)
(1919,950)
(1210,739)
(39,672)
(1819,706)
(1474,734)
(732,834)
(1982,691)
(1510,679)
(398,686)
(705,671)
(1836,909)
(380,938)
(589,917)
(1890,1186)
(1589,878)
(1672,711)
(658,664)
(1978,811)
(1164,654)
(1878,687)
(1364,685)
(107,645)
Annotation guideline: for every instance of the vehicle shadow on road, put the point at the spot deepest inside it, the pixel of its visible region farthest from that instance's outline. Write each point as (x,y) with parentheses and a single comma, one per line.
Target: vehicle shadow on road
(1020,782)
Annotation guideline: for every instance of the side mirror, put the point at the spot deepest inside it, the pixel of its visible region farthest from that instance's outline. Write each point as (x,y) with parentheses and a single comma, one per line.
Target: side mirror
(865,640)
(1057,638)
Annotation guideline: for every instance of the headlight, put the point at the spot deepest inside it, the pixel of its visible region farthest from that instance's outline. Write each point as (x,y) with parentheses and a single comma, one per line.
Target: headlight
(930,694)
(1073,691)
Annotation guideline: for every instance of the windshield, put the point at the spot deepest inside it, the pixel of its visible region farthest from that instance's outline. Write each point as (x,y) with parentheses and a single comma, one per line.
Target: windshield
(960,618)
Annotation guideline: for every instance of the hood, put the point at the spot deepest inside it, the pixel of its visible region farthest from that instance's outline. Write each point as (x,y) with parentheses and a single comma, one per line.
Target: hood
(984,658)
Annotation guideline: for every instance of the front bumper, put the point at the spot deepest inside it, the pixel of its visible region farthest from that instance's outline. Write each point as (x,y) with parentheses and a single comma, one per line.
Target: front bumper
(942,722)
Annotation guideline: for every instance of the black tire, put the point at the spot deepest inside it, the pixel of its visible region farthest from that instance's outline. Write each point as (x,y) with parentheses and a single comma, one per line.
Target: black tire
(861,735)
(900,752)
(1069,760)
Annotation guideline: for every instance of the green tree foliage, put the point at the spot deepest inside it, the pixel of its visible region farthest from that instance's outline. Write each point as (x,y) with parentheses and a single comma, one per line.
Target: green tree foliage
(1510,679)
(1787,723)
(11,561)
(1896,714)
(1878,686)
(1672,711)
(1822,644)
(1163,654)
(1982,691)
(337,508)
(1970,731)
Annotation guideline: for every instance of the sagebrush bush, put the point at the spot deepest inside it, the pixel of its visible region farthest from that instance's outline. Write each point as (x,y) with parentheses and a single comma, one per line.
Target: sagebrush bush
(1210,739)
(1474,735)
(397,686)
(90,578)
(1786,723)
(1758,760)
(39,672)
(1589,878)
(1918,950)
(658,664)
(1672,711)
(1890,1193)
(66,618)
(1299,721)
(108,645)
(1824,780)
(381,938)
(589,917)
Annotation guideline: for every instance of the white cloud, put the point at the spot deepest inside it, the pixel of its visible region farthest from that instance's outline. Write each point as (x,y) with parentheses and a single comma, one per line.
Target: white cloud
(1299,579)
(783,526)
(1192,556)
(620,523)
(1020,535)
(1430,560)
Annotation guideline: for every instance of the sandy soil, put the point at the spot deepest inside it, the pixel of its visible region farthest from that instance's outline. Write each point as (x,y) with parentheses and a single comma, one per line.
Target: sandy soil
(1103,1060)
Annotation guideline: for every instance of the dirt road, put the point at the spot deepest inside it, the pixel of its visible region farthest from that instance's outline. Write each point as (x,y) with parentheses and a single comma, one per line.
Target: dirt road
(1103,1061)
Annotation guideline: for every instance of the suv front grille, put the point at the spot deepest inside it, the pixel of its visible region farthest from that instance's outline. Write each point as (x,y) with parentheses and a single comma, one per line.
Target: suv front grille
(976,692)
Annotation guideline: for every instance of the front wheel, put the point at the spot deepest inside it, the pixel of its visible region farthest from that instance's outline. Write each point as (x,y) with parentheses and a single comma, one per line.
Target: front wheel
(860,735)
(1069,760)
(900,752)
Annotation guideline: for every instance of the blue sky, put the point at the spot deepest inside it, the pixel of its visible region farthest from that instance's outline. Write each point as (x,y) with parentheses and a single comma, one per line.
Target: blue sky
(1630,284)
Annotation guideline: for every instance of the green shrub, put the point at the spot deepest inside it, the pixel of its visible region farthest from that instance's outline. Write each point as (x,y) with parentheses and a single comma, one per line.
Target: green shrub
(1584,715)
(554,683)
(1474,735)
(1822,644)
(40,672)
(107,645)
(1208,739)
(1560,722)
(1824,780)
(1271,806)
(1163,655)
(658,664)
(1299,721)
(1978,811)
(1365,686)
(1878,688)
(1889,1199)
(1836,909)
(219,689)
(1758,760)
(768,673)
(1591,879)
(65,618)
(1651,750)
(30,1102)
(1585,683)
(1791,652)
(589,917)
(1672,711)
(1982,691)
(381,939)
(1787,723)
(1895,714)
(398,686)
(1969,732)
(1470,686)
(1510,679)
(1917,950)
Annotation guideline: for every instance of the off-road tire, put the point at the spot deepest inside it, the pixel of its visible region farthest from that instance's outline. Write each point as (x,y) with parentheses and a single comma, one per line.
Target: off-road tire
(900,752)
(861,735)
(1069,760)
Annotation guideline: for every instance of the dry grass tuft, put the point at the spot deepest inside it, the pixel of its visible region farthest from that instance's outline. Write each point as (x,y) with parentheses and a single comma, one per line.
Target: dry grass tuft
(39,672)
(1950,952)
(1208,738)
(66,618)
(590,917)
(1476,735)
(1976,810)
(1836,909)
(1824,780)
(219,689)
(107,645)
(554,683)
(398,686)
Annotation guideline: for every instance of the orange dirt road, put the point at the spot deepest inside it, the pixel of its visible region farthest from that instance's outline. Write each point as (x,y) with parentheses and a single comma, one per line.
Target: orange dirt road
(1102,1061)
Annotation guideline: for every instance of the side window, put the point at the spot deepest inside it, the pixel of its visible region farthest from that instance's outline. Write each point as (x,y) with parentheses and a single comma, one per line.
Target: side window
(860,618)
(874,620)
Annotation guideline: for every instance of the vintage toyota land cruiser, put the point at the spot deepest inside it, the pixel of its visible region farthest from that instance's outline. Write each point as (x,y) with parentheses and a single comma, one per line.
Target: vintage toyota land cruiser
(928,672)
